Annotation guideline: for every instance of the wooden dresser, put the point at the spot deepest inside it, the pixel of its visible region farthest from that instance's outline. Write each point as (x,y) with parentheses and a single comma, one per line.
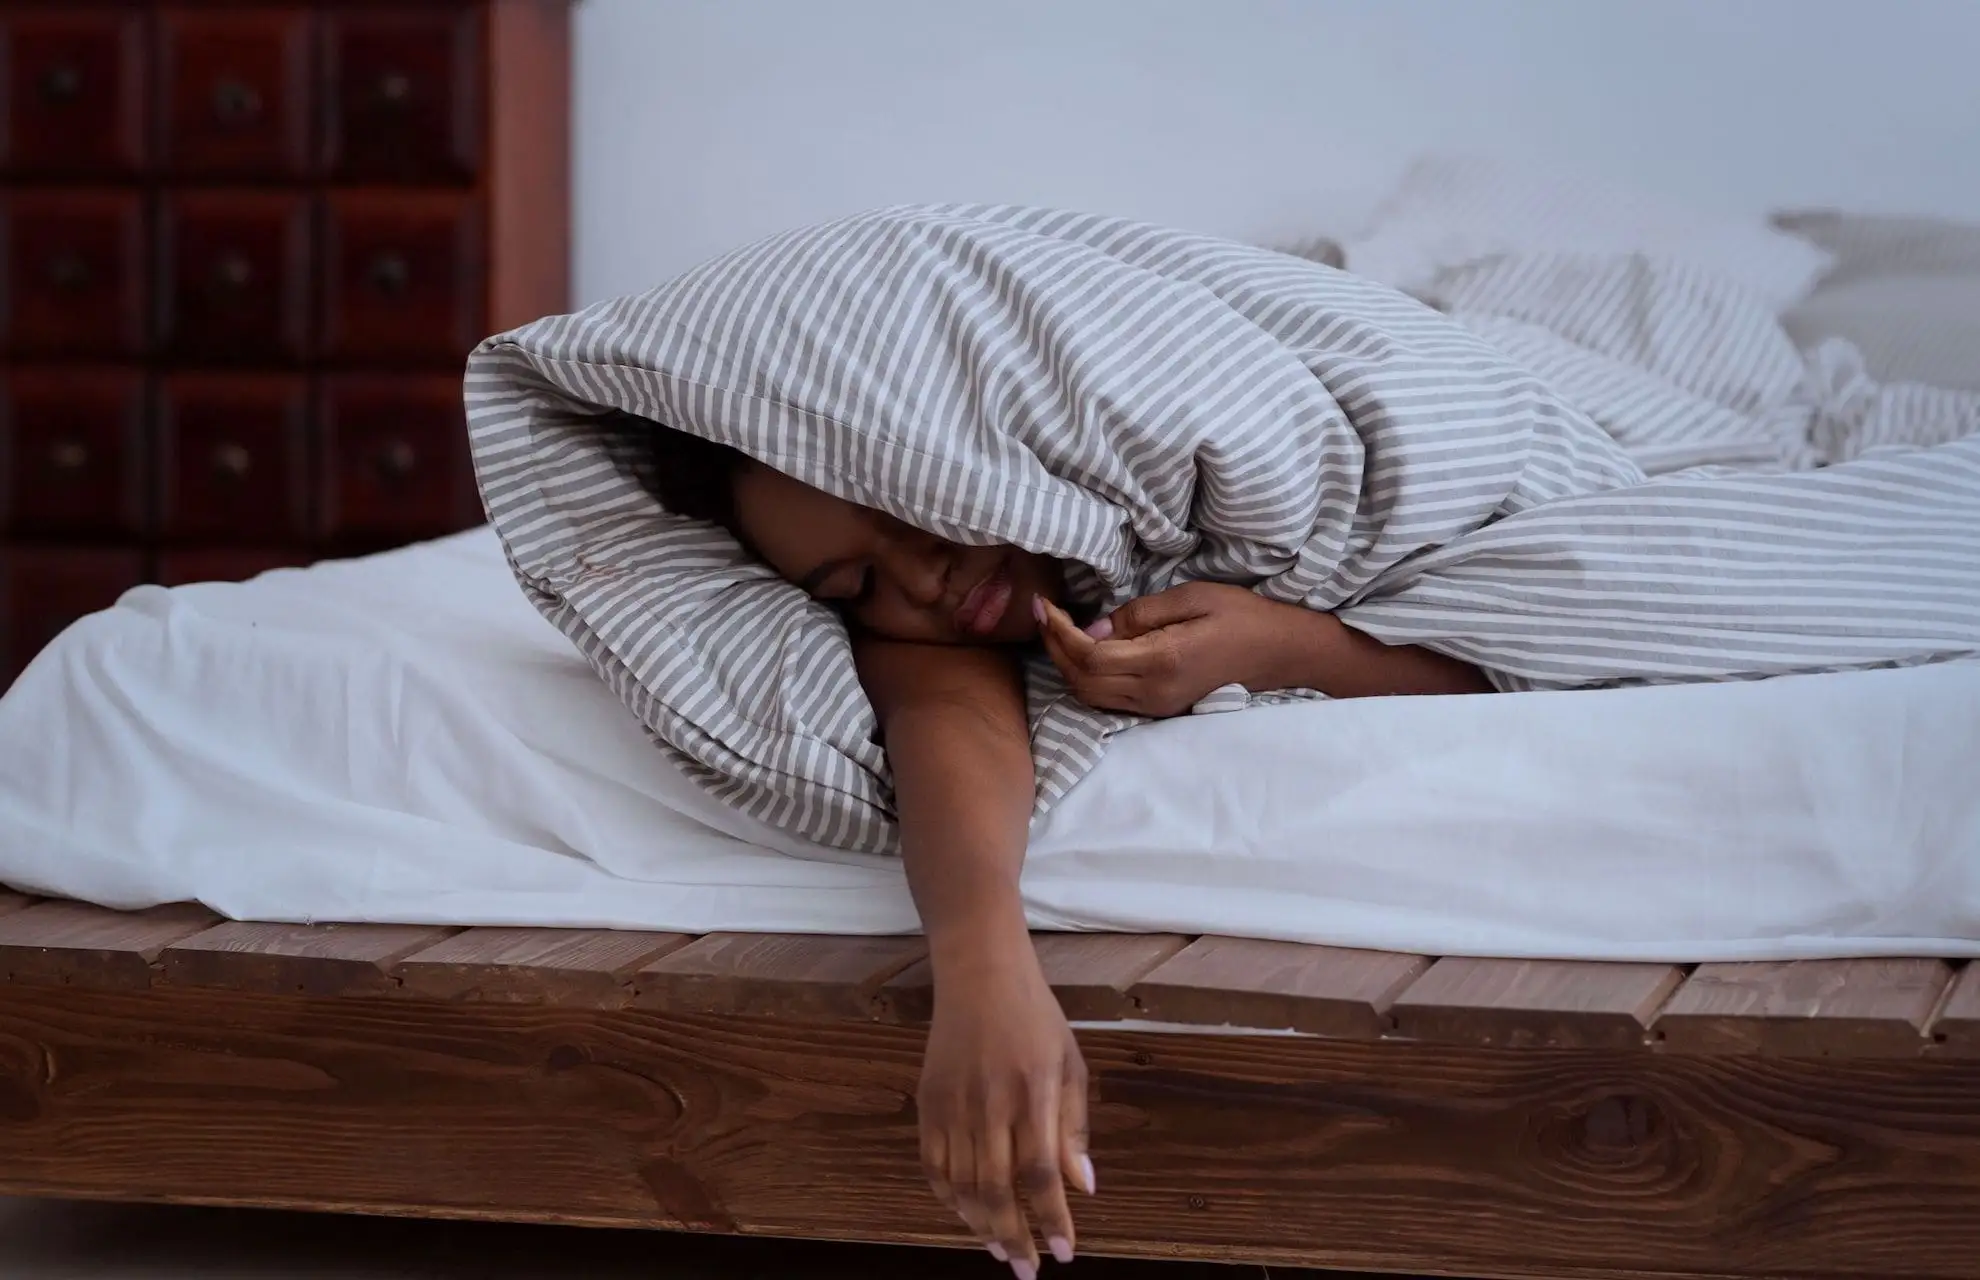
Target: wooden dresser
(244,249)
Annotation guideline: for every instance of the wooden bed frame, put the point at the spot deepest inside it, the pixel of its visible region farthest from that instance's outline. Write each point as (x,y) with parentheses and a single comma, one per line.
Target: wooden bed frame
(1384,1112)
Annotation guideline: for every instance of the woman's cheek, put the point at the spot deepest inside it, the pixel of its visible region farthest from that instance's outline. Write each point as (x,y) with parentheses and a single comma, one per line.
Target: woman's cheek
(908,626)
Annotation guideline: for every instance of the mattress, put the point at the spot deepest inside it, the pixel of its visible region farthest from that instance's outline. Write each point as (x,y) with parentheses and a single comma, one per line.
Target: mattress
(402,738)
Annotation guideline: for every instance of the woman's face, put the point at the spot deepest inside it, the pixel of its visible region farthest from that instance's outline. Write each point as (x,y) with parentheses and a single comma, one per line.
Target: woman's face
(891,578)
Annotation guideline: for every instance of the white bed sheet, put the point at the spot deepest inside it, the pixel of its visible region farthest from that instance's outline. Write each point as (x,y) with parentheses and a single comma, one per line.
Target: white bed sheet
(402,738)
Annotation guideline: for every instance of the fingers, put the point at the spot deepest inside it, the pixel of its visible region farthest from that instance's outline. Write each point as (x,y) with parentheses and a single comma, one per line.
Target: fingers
(1075,1162)
(1055,625)
(1140,616)
(1039,1169)
(997,1195)
(1135,676)
(949,1159)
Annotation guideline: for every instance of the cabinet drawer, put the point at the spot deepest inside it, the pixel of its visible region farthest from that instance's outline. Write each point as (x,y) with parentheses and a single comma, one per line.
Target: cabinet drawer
(73,82)
(72,453)
(234,88)
(42,592)
(401,277)
(394,459)
(233,459)
(405,94)
(224,564)
(235,280)
(73,264)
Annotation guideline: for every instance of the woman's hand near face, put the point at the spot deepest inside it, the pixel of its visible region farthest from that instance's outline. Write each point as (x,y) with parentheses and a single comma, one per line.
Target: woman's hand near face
(1160,655)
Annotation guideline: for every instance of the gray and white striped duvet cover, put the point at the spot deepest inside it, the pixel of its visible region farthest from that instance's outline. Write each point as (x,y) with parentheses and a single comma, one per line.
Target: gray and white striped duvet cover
(1571,471)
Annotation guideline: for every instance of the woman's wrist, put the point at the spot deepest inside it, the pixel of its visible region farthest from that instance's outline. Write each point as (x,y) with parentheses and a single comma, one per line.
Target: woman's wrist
(1304,649)
(991,938)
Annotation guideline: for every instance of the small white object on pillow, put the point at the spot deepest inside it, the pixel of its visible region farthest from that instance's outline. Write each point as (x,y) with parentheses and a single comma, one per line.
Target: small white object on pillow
(1450,210)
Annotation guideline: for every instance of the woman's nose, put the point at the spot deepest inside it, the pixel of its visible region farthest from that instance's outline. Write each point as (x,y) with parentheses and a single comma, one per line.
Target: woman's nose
(921,570)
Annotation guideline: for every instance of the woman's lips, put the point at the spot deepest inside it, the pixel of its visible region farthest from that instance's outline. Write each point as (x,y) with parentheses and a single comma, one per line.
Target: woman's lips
(983,608)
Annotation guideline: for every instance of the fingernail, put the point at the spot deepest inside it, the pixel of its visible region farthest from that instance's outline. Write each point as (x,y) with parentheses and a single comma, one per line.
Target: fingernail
(1086,1167)
(1024,1270)
(1102,629)
(1038,609)
(1061,1249)
(997,1251)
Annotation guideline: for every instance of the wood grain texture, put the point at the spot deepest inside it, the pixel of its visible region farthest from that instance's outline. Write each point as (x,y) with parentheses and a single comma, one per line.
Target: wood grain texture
(1806,1008)
(529,207)
(1535,1003)
(76,944)
(1275,1150)
(1090,973)
(775,975)
(1245,982)
(588,968)
(317,960)
(1957,1030)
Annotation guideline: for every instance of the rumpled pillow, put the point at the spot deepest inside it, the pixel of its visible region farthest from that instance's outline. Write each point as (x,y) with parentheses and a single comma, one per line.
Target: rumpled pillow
(1452,210)
(1905,291)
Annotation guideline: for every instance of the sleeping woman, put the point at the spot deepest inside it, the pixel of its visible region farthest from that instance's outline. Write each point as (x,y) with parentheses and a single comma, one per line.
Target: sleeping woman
(937,629)
(1176,465)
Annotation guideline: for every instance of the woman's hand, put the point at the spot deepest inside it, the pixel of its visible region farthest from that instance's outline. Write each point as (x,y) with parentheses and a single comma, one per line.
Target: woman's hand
(1159,655)
(1003,1109)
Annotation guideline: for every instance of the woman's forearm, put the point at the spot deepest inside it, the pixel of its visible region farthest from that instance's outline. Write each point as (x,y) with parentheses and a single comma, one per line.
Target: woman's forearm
(959,748)
(1341,662)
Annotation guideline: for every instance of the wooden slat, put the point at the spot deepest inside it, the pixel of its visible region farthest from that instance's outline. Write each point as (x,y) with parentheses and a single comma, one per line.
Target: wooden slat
(1527,1003)
(1245,982)
(1957,1030)
(775,975)
(1357,1156)
(74,943)
(591,968)
(315,959)
(11,902)
(1090,973)
(1806,1008)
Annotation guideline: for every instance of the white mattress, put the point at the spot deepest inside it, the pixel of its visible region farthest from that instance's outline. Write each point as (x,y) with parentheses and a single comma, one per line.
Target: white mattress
(403,739)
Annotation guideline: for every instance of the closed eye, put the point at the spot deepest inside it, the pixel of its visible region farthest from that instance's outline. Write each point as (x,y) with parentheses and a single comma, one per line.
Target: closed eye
(844,584)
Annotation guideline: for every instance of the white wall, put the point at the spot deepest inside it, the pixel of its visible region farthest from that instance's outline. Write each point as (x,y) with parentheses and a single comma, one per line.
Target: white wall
(705,123)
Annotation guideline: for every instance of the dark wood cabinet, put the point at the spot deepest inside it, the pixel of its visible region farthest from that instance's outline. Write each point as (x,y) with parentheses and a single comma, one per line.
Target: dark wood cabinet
(233,283)
(401,276)
(233,459)
(234,91)
(43,590)
(72,453)
(245,248)
(74,85)
(74,265)
(405,93)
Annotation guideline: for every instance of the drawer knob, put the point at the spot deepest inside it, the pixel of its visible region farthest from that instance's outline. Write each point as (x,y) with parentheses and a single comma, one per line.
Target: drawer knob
(69,272)
(232,462)
(397,460)
(67,457)
(394,89)
(390,274)
(235,102)
(61,83)
(232,272)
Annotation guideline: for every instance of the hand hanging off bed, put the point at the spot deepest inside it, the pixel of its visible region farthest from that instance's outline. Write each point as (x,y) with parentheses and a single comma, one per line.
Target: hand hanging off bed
(939,631)
(888,440)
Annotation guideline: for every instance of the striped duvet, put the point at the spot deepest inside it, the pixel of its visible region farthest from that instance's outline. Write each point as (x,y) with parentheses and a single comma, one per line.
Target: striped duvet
(1570,470)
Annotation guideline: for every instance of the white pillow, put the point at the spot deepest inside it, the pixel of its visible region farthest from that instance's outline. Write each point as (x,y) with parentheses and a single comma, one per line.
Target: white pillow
(1450,210)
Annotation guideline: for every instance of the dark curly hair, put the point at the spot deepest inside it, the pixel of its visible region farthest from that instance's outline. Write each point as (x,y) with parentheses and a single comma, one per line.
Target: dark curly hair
(686,474)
